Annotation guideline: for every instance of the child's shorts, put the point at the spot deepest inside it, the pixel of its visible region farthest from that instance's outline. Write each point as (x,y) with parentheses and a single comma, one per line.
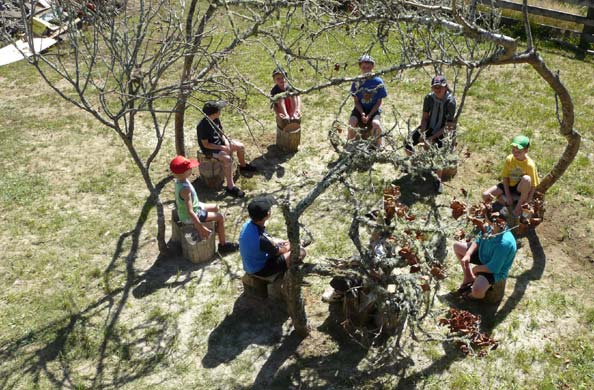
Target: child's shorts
(273,266)
(512,189)
(474,259)
(355,113)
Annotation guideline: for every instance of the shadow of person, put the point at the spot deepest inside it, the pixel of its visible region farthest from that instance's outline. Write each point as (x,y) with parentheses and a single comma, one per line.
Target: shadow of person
(270,163)
(535,272)
(416,188)
(253,321)
(158,276)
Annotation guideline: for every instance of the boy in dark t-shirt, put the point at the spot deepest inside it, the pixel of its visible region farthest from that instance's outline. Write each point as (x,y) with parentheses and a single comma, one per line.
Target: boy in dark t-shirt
(214,143)
(288,109)
(439,108)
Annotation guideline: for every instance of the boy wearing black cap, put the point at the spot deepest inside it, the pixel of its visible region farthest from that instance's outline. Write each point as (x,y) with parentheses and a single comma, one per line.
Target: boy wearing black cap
(190,210)
(518,178)
(261,254)
(288,110)
(367,94)
(439,108)
(213,142)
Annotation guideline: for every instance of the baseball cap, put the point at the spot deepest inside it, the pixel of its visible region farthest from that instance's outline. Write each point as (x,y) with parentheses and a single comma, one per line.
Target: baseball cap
(366,58)
(521,142)
(439,80)
(278,71)
(259,208)
(213,106)
(180,164)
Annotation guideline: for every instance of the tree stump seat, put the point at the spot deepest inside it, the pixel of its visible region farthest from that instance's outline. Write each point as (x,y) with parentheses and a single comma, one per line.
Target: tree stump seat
(193,247)
(496,292)
(212,171)
(288,137)
(262,286)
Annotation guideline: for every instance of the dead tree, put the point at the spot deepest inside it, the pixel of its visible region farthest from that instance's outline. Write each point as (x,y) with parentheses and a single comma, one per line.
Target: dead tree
(415,36)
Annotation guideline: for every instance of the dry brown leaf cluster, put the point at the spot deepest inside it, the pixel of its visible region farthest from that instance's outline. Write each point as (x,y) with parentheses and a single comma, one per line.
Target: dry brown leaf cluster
(467,325)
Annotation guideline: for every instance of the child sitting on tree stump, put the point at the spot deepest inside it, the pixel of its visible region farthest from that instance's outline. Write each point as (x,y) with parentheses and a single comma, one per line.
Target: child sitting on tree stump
(367,95)
(261,254)
(519,177)
(287,109)
(193,212)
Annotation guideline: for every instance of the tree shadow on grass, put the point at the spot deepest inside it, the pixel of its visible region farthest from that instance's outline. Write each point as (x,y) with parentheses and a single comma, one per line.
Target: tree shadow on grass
(53,354)
(285,368)
(491,314)
(165,267)
(252,321)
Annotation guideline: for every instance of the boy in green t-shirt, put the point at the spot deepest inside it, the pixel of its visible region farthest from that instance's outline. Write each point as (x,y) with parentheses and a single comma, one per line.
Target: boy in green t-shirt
(190,210)
(519,177)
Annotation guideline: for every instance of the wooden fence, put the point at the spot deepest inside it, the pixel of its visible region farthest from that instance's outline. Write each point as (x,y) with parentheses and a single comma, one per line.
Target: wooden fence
(587,33)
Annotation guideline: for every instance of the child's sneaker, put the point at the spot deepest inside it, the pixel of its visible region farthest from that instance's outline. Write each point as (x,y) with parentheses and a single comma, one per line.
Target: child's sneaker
(235,192)
(228,247)
(248,168)
(332,296)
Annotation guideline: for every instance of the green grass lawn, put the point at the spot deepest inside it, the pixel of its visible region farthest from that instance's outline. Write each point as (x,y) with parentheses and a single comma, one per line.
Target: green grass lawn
(88,303)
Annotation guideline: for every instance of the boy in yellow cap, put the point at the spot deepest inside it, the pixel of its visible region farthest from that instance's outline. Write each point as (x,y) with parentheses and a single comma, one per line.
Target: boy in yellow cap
(190,210)
(519,177)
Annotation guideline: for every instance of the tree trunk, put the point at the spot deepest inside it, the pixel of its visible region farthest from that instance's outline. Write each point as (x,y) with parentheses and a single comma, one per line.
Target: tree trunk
(565,126)
(193,40)
(294,277)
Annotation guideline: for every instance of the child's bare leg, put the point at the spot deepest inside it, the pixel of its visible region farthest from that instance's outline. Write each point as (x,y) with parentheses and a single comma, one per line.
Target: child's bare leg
(219,224)
(353,124)
(493,193)
(238,147)
(227,168)
(479,287)
(287,256)
(524,187)
(377,132)
(210,207)
(460,249)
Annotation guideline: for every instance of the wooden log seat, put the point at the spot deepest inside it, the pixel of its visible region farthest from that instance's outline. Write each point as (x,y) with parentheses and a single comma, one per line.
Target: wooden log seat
(193,247)
(289,137)
(262,287)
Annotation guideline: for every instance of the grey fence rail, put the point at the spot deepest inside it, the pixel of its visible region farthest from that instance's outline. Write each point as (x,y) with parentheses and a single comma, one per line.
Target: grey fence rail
(587,22)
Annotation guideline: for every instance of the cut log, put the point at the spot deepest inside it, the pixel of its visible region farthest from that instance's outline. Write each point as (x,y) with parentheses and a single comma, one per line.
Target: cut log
(212,171)
(194,248)
(496,292)
(262,287)
(288,139)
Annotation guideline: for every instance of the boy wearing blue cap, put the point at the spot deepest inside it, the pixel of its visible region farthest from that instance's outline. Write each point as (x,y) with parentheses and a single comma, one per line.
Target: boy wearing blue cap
(519,177)
(367,94)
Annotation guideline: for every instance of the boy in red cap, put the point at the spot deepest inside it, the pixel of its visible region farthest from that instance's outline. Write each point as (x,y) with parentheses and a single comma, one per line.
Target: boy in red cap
(190,210)
(518,178)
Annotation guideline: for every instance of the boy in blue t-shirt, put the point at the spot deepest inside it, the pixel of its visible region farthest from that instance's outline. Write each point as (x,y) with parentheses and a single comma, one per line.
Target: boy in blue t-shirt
(367,94)
(261,254)
(493,255)
(193,212)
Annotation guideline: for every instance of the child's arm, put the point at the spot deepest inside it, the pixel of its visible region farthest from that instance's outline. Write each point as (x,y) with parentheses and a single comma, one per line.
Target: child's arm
(375,108)
(297,103)
(359,107)
(281,108)
(200,228)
